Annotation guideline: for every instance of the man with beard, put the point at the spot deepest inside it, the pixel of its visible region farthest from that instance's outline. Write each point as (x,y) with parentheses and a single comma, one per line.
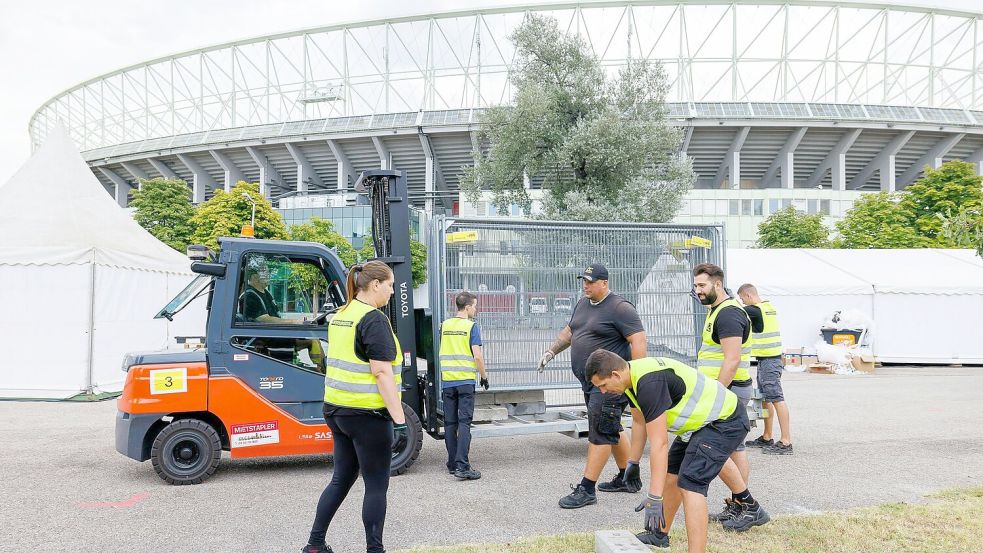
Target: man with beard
(725,356)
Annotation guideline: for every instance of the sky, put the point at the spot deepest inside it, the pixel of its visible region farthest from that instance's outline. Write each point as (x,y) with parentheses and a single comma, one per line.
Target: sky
(47,46)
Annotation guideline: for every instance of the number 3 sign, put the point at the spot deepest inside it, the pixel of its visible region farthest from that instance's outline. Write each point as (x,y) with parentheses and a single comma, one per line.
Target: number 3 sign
(169,381)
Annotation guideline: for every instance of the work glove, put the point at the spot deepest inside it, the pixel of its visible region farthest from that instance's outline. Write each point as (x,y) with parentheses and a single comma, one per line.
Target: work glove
(633,478)
(401,435)
(655,519)
(546,358)
(484,383)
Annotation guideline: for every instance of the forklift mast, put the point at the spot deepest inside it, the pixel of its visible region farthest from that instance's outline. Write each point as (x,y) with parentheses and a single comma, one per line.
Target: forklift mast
(391,237)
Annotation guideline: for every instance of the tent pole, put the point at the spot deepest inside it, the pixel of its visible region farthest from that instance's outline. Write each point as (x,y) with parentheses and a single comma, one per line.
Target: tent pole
(92,323)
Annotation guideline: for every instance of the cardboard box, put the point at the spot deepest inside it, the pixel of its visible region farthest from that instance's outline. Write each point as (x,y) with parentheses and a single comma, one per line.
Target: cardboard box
(863,363)
(810,359)
(821,368)
(792,356)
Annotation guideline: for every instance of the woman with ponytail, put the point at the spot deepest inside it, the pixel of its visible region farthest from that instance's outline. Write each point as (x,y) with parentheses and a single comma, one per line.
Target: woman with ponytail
(362,403)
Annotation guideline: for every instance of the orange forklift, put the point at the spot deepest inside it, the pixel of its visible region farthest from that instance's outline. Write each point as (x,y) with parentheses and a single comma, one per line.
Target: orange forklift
(255,388)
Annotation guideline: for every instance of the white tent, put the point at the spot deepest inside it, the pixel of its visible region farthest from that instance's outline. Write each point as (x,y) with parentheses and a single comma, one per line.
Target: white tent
(927,305)
(80,281)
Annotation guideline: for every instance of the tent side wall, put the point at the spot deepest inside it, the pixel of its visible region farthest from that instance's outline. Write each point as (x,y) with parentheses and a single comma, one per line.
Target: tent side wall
(928,328)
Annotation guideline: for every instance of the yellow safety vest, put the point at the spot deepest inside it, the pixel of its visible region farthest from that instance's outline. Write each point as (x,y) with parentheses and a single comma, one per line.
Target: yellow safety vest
(711,357)
(768,342)
(456,359)
(705,400)
(348,381)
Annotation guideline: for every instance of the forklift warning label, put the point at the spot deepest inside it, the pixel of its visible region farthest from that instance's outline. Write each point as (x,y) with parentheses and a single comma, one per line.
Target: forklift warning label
(255,433)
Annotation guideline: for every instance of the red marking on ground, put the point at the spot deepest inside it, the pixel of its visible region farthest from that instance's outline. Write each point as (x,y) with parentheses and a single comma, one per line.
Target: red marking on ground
(128,503)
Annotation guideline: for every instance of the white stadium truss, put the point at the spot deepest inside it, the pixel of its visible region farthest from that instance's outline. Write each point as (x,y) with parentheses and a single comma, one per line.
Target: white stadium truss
(771,94)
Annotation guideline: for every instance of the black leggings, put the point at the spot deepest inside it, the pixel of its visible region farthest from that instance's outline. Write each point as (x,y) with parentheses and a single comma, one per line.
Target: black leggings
(361,443)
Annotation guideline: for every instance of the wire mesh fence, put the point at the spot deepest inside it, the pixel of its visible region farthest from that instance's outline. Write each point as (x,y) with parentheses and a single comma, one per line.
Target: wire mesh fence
(524,274)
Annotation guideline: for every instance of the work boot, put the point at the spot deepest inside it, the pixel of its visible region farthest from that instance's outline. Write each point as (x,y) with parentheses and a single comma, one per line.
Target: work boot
(617,484)
(730,511)
(778,449)
(748,517)
(760,441)
(580,497)
(467,474)
(657,540)
(316,549)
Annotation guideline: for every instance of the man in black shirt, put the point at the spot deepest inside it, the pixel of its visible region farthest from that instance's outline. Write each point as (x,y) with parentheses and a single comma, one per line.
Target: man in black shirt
(256,304)
(601,320)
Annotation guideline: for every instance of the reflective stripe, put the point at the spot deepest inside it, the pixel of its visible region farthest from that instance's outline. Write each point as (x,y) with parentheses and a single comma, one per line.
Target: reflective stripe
(350,387)
(716,363)
(768,345)
(349,366)
(768,335)
(694,400)
(718,404)
(712,349)
(456,358)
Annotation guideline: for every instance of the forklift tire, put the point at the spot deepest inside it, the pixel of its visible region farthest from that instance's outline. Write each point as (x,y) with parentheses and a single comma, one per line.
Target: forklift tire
(403,460)
(186,451)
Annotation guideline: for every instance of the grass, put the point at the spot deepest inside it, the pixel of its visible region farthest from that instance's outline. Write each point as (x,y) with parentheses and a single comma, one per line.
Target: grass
(950,521)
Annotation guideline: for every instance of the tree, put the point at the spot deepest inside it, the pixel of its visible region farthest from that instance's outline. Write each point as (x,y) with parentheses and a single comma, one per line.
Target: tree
(418,258)
(877,221)
(603,149)
(964,230)
(321,231)
(163,207)
(952,188)
(226,213)
(788,228)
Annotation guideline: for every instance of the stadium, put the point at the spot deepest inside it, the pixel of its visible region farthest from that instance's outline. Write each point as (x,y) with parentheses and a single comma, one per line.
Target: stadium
(803,103)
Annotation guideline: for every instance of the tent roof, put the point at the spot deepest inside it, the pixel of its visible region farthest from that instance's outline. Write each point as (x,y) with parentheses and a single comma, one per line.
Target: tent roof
(55,211)
(822,272)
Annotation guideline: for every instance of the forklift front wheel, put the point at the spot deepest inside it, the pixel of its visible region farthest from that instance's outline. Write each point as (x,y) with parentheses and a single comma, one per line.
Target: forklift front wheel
(404,459)
(186,451)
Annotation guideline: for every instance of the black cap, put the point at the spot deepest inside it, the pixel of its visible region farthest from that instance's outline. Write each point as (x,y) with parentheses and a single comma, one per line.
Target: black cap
(594,272)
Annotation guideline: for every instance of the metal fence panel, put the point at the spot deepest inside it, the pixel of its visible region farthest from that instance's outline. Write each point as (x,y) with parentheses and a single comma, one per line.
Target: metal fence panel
(524,274)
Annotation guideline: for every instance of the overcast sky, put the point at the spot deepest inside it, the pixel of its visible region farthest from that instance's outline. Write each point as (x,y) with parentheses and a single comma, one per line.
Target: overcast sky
(47,46)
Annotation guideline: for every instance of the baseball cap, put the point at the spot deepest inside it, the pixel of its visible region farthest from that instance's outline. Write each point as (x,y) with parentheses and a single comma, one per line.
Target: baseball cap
(594,272)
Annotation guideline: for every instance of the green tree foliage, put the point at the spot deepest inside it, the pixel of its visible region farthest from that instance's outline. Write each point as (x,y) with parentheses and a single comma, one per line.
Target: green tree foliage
(790,229)
(603,148)
(163,207)
(952,188)
(878,221)
(418,258)
(227,212)
(321,231)
(964,230)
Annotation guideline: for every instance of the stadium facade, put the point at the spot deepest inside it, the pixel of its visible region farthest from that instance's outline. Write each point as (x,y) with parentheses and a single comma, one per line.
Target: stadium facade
(803,103)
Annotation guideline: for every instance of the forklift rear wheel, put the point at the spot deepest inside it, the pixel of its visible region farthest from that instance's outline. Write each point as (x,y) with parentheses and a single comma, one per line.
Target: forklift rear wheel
(403,460)
(186,451)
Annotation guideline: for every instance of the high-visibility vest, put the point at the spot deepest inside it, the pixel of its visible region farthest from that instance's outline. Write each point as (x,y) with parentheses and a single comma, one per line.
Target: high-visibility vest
(711,356)
(705,400)
(348,381)
(456,359)
(768,342)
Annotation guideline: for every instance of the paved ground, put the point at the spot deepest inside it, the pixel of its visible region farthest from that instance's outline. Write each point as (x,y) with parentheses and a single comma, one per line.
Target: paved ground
(859,440)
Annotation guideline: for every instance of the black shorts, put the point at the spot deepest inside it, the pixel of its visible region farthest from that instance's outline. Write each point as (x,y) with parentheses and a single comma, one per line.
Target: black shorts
(604,416)
(699,461)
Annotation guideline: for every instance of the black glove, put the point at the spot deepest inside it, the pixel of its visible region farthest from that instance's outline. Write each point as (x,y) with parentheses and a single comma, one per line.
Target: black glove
(401,435)
(633,478)
(484,383)
(655,520)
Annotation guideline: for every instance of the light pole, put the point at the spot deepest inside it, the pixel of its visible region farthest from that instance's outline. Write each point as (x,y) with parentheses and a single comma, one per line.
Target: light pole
(252,221)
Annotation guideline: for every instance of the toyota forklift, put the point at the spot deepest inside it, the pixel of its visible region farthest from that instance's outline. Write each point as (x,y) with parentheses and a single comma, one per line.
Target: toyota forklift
(256,386)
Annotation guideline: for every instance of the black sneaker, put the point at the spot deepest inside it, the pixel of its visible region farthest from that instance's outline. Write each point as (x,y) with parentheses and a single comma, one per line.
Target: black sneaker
(731,510)
(749,517)
(759,442)
(467,474)
(657,540)
(580,497)
(316,549)
(617,484)
(778,449)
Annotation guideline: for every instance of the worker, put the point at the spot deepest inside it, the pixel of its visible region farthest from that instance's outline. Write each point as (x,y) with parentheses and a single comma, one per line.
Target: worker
(708,422)
(362,405)
(766,347)
(725,356)
(461,361)
(256,304)
(601,320)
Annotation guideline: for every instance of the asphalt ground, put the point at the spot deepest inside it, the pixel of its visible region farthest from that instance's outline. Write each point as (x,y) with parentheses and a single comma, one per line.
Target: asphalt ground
(859,440)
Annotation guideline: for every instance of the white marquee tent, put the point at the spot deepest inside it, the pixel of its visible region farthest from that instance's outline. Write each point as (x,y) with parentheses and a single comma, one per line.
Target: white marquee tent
(927,305)
(80,281)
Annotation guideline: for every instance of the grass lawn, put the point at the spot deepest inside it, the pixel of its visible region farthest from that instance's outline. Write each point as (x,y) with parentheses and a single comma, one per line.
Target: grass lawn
(949,522)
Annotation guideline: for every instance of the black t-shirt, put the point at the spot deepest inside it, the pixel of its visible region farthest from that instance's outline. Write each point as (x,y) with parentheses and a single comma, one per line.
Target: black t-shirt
(657,392)
(732,321)
(373,340)
(602,326)
(757,319)
(256,304)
